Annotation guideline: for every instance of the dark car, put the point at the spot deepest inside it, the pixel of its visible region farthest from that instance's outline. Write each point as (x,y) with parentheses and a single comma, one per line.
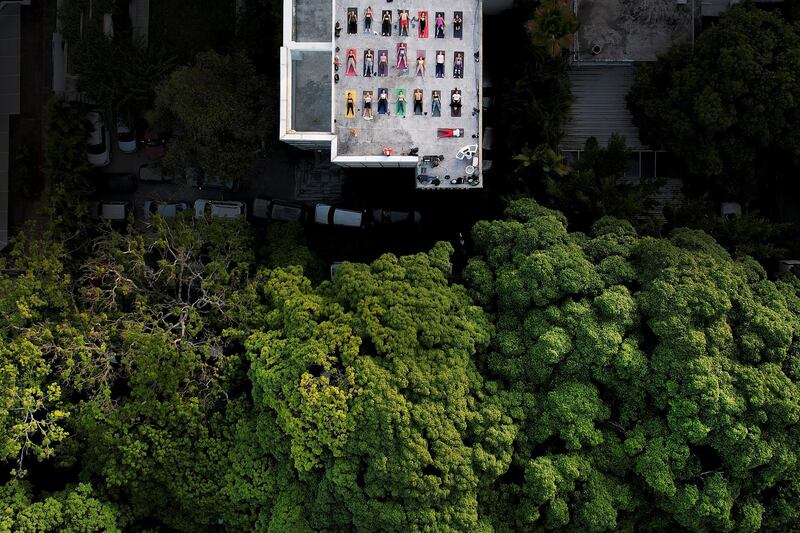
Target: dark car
(123,183)
(279,210)
(389,216)
(154,145)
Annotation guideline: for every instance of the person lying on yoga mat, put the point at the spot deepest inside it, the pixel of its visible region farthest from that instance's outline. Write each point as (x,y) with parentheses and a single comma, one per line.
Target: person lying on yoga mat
(352,21)
(417,101)
(386,24)
(383,102)
(369,61)
(383,64)
(423,24)
(436,105)
(440,64)
(404,23)
(368,20)
(440,25)
(401,103)
(420,66)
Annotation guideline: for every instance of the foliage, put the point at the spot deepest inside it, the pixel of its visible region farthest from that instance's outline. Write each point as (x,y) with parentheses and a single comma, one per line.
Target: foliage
(742,235)
(654,382)
(67,166)
(117,74)
(189,27)
(216,105)
(593,187)
(285,246)
(71,510)
(531,88)
(367,386)
(727,108)
(553,26)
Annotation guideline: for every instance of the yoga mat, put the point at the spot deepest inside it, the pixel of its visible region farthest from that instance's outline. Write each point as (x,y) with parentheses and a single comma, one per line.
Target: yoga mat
(350,93)
(397,109)
(463,63)
(423,33)
(374,63)
(458,33)
(420,53)
(438,34)
(364,114)
(439,112)
(378,63)
(421,109)
(350,70)
(397,64)
(386,26)
(455,111)
(400,22)
(436,71)
(352,26)
(377,100)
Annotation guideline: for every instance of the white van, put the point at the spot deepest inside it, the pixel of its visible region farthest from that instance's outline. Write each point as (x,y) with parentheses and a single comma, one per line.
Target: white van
(334,216)
(278,210)
(114,211)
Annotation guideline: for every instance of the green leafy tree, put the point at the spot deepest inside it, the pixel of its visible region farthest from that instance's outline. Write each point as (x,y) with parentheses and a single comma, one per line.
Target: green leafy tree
(75,509)
(727,108)
(654,382)
(595,186)
(368,388)
(217,105)
(553,26)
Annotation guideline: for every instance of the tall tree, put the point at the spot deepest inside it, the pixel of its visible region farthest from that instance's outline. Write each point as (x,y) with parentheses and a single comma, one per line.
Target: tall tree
(368,388)
(217,106)
(728,108)
(654,382)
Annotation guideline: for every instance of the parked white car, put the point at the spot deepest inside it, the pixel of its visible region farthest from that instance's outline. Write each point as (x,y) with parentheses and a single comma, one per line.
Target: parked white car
(99,141)
(335,216)
(165,209)
(219,209)
(126,138)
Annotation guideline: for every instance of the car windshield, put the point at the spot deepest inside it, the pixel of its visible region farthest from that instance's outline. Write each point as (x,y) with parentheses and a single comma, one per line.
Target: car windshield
(97,149)
(125,136)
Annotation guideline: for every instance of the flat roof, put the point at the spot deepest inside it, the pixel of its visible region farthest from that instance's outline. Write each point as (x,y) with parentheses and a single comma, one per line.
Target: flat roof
(311,86)
(630,30)
(311,21)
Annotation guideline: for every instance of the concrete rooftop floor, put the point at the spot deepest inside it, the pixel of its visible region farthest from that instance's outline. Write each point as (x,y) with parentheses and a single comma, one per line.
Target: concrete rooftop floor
(631,30)
(403,133)
(312,22)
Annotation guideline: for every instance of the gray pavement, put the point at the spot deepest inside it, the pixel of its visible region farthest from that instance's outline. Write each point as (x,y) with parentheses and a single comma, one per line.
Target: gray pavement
(312,21)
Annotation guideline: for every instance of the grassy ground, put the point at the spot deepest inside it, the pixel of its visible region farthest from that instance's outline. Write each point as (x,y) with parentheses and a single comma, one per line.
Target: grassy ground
(185,27)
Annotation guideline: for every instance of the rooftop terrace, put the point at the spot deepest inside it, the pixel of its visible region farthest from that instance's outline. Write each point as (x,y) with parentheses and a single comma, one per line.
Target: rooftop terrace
(358,135)
(630,30)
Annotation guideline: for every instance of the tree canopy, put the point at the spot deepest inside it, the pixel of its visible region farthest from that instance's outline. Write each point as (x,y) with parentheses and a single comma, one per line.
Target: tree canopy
(216,109)
(653,382)
(728,108)
(163,378)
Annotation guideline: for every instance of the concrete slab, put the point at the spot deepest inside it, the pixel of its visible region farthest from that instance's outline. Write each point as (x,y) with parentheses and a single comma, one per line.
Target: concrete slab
(312,21)
(630,30)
